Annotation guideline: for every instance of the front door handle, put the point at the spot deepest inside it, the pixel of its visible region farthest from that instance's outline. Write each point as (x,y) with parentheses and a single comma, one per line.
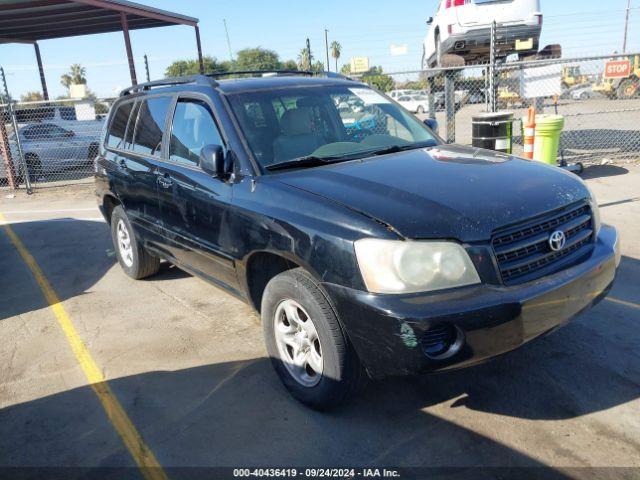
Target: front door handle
(165,181)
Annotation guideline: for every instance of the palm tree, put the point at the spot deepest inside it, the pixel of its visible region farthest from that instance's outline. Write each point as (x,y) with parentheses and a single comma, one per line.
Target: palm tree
(77,76)
(336,50)
(304,62)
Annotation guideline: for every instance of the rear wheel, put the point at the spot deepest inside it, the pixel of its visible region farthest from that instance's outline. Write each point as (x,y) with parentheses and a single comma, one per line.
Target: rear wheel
(308,348)
(132,256)
(34,167)
(93,152)
(420,110)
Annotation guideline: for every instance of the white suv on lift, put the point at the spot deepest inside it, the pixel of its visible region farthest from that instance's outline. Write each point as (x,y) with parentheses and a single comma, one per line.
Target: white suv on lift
(463,28)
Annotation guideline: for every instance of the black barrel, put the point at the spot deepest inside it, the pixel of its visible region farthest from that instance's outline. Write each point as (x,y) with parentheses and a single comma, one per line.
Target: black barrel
(493,131)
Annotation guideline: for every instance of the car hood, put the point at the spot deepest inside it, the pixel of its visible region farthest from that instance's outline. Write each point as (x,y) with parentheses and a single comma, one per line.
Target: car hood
(447,191)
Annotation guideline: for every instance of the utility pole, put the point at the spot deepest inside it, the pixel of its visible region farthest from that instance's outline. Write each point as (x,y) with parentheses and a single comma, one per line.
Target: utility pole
(226,31)
(626,27)
(146,67)
(326,45)
(308,54)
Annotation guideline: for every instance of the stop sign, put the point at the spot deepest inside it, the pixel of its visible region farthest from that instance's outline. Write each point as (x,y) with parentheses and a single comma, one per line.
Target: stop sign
(617,69)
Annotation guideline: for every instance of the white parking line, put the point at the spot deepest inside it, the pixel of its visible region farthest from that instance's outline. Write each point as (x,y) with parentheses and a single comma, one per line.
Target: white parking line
(68,219)
(70,210)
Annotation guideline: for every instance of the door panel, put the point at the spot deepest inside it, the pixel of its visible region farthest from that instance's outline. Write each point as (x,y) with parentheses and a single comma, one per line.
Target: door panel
(193,204)
(135,175)
(194,208)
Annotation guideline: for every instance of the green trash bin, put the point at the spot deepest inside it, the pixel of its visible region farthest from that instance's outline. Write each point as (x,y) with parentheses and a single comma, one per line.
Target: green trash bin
(548,130)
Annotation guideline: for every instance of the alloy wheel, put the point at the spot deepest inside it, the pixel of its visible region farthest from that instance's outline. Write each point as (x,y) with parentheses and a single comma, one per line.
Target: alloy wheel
(298,343)
(124,243)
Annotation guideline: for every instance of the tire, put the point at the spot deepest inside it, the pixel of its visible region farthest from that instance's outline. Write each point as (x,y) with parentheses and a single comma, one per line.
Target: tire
(438,51)
(341,373)
(34,166)
(420,110)
(92,152)
(628,89)
(135,260)
(584,96)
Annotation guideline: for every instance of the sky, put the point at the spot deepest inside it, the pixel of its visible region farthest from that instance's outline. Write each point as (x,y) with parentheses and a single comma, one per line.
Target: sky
(369,28)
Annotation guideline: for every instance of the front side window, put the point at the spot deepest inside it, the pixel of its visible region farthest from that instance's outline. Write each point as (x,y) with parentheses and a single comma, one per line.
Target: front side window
(325,122)
(152,115)
(193,128)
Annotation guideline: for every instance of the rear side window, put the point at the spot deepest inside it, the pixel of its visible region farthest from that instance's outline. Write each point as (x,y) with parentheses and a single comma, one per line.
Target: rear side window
(131,128)
(150,125)
(118,127)
(193,128)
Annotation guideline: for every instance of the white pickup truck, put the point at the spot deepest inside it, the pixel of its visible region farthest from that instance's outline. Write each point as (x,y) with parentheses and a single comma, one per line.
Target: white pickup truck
(463,28)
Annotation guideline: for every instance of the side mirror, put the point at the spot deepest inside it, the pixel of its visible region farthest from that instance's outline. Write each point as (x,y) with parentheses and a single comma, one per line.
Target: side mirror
(212,160)
(429,20)
(432,123)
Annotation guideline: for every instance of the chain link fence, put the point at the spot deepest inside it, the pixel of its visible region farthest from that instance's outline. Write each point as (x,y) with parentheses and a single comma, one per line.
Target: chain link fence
(50,143)
(57,141)
(600,115)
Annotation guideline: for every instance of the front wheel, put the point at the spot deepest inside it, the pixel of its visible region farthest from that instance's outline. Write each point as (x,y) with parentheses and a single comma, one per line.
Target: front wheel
(308,348)
(420,110)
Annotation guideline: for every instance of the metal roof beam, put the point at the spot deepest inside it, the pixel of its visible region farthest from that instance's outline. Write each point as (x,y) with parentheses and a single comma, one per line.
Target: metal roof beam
(31,5)
(48,15)
(111,26)
(140,10)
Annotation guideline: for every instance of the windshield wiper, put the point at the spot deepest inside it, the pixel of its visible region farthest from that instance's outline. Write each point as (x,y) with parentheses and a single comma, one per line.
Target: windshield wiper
(314,161)
(309,161)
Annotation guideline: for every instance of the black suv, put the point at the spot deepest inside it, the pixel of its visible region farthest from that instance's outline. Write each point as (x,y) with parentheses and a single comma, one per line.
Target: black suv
(367,245)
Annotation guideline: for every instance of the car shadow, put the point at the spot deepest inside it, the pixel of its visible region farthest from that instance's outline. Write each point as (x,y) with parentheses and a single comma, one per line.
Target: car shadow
(238,414)
(602,171)
(79,251)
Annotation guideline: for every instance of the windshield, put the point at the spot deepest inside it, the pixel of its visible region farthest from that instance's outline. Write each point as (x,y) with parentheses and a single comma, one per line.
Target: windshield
(282,125)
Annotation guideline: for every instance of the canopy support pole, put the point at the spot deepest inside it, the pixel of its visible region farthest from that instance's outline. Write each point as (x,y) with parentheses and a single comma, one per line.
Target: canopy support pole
(127,43)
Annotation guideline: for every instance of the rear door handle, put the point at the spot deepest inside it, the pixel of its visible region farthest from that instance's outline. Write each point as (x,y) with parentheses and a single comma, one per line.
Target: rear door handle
(165,181)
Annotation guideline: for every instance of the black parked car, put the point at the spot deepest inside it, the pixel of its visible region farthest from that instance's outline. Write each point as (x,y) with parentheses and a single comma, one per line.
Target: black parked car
(372,252)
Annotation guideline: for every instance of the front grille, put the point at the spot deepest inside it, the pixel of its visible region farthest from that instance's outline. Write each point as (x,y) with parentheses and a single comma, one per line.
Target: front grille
(523,252)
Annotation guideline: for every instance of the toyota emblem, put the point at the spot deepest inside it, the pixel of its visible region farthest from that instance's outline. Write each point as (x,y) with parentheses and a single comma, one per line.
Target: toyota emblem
(557,240)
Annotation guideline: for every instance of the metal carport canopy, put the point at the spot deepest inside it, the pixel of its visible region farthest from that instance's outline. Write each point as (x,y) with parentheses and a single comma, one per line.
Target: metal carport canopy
(28,21)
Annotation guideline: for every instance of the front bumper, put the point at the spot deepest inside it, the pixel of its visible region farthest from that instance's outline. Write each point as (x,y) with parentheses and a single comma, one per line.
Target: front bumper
(386,330)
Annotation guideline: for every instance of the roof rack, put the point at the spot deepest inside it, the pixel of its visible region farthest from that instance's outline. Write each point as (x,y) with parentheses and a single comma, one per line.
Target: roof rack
(278,73)
(167,82)
(208,79)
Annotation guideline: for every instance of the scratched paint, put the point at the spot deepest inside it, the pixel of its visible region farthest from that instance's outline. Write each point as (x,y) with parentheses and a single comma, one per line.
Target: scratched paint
(407,335)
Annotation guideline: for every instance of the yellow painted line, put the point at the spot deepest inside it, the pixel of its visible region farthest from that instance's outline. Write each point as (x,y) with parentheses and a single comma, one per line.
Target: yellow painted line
(143,456)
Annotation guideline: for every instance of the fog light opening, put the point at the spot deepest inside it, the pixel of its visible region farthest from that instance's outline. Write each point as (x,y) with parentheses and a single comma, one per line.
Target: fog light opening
(442,341)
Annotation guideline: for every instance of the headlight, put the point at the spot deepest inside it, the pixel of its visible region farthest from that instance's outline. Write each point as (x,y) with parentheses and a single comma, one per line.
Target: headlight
(392,266)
